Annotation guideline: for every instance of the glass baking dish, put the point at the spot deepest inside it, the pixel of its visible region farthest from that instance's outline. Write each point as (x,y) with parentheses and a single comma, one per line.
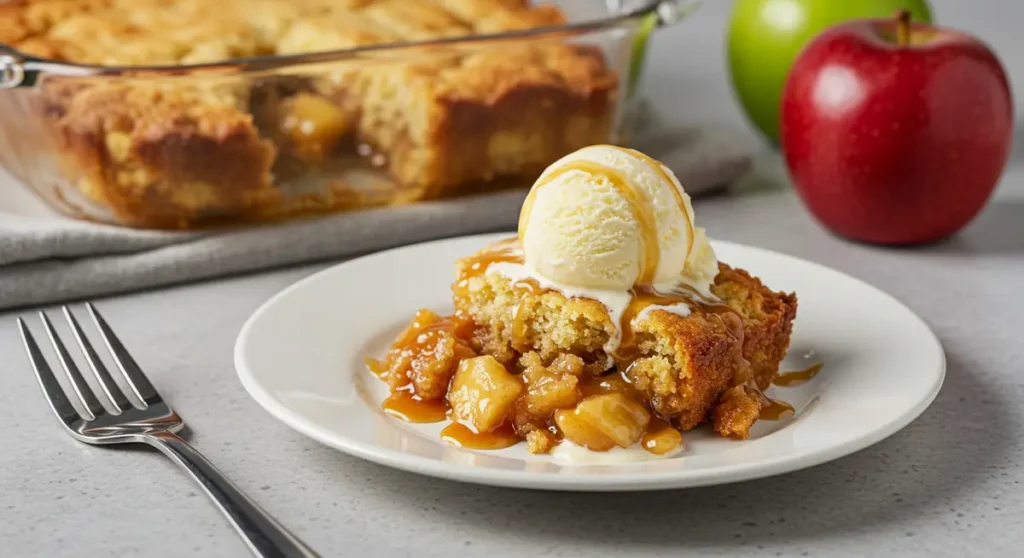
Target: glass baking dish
(276,137)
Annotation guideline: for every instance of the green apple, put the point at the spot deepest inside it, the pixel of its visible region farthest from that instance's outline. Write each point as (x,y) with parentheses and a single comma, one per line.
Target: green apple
(765,37)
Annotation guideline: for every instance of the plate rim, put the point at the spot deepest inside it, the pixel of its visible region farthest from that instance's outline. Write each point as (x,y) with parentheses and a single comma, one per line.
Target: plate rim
(777,465)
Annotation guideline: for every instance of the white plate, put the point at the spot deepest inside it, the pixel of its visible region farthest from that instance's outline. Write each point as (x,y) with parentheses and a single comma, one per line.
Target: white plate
(301,357)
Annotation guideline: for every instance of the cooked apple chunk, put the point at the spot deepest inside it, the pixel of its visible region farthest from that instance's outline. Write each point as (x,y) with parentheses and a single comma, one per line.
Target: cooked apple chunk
(482,393)
(549,387)
(540,441)
(581,432)
(600,422)
(314,125)
(425,355)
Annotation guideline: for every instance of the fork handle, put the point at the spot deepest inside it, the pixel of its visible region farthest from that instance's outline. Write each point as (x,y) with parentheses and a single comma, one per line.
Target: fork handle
(262,533)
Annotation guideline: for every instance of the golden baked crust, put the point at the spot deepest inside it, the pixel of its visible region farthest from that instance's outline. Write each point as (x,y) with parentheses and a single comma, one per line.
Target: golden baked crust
(765,345)
(160,32)
(440,121)
(686,368)
(140,150)
(487,114)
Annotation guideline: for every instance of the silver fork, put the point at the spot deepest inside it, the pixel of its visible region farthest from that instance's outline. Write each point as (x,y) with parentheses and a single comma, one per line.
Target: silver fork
(153,423)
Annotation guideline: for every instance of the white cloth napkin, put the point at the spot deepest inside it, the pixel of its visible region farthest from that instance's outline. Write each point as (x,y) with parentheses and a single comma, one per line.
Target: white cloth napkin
(47,258)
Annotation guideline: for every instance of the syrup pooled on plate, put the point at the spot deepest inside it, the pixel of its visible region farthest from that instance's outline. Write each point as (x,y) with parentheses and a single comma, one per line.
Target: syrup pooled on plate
(797,377)
(776,410)
(376,367)
(407,406)
(661,437)
(462,436)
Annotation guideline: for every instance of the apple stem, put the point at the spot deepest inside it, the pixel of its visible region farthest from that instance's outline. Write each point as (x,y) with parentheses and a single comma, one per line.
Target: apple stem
(903,27)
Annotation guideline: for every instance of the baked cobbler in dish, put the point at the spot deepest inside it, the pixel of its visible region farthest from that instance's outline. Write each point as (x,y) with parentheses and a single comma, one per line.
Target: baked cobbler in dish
(176,151)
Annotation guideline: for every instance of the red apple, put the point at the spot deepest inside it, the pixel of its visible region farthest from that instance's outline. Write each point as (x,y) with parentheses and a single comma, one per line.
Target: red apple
(895,132)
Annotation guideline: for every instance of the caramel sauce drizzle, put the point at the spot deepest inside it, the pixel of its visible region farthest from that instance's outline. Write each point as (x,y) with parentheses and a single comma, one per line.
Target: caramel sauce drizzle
(644,296)
(419,336)
(660,169)
(797,377)
(640,207)
(508,250)
(615,382)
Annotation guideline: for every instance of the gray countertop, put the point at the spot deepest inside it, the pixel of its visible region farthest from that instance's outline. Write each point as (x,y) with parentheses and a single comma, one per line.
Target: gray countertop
(950,484)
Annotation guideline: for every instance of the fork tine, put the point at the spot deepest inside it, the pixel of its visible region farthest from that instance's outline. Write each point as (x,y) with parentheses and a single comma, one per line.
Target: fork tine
(81,389)
(129,368)
(55,394)
(107,384)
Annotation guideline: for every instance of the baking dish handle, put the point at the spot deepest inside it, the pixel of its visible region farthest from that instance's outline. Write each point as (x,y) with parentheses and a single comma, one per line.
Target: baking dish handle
(19,70)
(12,69)
(668,12)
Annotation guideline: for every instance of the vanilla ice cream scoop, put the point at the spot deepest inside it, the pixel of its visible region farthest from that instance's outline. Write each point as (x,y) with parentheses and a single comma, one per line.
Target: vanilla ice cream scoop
(606,217)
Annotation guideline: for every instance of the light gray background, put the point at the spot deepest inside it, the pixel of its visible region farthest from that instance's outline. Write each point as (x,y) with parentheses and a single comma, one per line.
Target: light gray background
(948,485)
